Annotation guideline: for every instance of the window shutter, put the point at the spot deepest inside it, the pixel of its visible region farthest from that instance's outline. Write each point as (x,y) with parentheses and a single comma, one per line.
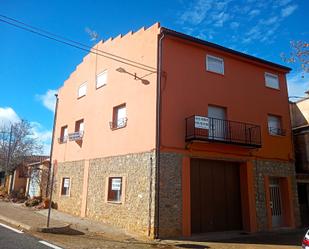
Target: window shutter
(82,90)
(271,80)
(101,79)
(81,126)
(215,64)
(274,125)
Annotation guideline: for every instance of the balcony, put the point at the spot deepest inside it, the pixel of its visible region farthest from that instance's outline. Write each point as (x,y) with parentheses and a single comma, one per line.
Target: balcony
(199,128)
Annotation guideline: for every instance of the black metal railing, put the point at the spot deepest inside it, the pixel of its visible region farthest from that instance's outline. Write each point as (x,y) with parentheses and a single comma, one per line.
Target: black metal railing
(224,131)
(63,139)
(119,123)
(276,131)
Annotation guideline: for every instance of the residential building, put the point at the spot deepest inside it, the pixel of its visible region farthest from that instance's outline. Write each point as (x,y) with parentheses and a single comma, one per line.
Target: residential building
(300,125)
(28,177)
(37,178)
(164,134)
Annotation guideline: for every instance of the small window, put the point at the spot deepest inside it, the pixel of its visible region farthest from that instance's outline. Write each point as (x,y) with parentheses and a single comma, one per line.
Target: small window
(101,79)
(79,126)
(272,80)
(119,117)
(79,131)
(215,64)
(114,189)
(65,188)
(63,134)
(82,90)
(274,125)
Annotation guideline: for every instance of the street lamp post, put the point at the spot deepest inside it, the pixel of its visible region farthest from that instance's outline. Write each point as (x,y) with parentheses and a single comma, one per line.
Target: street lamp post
(51,165)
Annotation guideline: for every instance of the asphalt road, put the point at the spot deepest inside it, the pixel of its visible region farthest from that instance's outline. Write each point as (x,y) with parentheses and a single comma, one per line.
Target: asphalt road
(12,239)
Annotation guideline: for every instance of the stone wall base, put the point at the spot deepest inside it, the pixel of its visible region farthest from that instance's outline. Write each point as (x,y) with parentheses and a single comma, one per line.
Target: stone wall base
(89,197)
(263,170)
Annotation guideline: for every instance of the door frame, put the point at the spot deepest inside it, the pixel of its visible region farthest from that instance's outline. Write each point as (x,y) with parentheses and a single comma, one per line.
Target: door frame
(286,200)
(247,192)
(277,220)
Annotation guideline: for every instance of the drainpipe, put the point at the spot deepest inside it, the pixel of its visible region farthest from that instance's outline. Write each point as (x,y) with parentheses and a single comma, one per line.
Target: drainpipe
(51,148)
(158,142)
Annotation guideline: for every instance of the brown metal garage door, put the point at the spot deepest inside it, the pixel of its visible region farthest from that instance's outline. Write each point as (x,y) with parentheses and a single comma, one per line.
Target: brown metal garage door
(215,196)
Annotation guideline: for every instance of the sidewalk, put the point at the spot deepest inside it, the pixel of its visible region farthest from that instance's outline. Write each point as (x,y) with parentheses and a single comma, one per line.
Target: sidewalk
(90,234)
(23,217)
(99,235)
(30,219)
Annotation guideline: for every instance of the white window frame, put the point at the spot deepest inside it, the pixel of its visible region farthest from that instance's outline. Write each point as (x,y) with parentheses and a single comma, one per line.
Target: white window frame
(80,92)
(99,85)
(81,127)
(121,119)
(271,129)
(63,134)
(123,189)
(62,185)
(270,84)
(216,58)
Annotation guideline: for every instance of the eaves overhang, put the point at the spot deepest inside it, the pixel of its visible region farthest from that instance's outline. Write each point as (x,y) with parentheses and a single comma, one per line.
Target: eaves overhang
(225,49)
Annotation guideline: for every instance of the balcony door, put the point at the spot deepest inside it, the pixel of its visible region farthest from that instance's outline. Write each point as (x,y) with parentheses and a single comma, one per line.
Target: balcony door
(217,122)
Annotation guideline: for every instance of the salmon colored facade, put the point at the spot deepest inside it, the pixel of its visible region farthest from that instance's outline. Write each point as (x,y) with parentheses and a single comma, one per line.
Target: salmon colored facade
(141,47)
(146,167)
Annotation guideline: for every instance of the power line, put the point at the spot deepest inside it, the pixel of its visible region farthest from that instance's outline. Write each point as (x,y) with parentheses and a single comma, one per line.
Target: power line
(72,43)
(70,40)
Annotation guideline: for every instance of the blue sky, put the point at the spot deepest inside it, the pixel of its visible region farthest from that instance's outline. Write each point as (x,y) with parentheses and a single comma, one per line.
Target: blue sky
(32,68)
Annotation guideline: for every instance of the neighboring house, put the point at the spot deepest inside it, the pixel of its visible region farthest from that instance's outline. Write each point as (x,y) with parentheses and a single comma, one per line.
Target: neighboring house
(24,174)
(300,126)
(18,180)
(37,178)
(168,135)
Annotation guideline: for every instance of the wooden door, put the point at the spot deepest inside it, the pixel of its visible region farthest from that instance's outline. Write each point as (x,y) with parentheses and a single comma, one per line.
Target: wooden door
(215,196)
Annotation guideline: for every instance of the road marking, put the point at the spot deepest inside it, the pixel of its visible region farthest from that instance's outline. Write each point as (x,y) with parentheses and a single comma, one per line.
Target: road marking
(50,245)
(11,228)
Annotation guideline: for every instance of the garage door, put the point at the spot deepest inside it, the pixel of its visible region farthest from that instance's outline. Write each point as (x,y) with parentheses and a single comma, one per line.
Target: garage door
(215,196)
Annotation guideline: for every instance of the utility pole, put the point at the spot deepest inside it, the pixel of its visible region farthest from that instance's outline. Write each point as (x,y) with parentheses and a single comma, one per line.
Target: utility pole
(51,192)
(49,186)
(52,165)
(9,149)
(7,163)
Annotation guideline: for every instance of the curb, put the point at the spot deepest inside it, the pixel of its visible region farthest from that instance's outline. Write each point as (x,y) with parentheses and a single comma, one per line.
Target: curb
(16,223)
(66,230)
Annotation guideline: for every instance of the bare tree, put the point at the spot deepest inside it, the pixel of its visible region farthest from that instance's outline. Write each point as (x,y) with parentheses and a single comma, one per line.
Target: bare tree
(299,54)
(16,143)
